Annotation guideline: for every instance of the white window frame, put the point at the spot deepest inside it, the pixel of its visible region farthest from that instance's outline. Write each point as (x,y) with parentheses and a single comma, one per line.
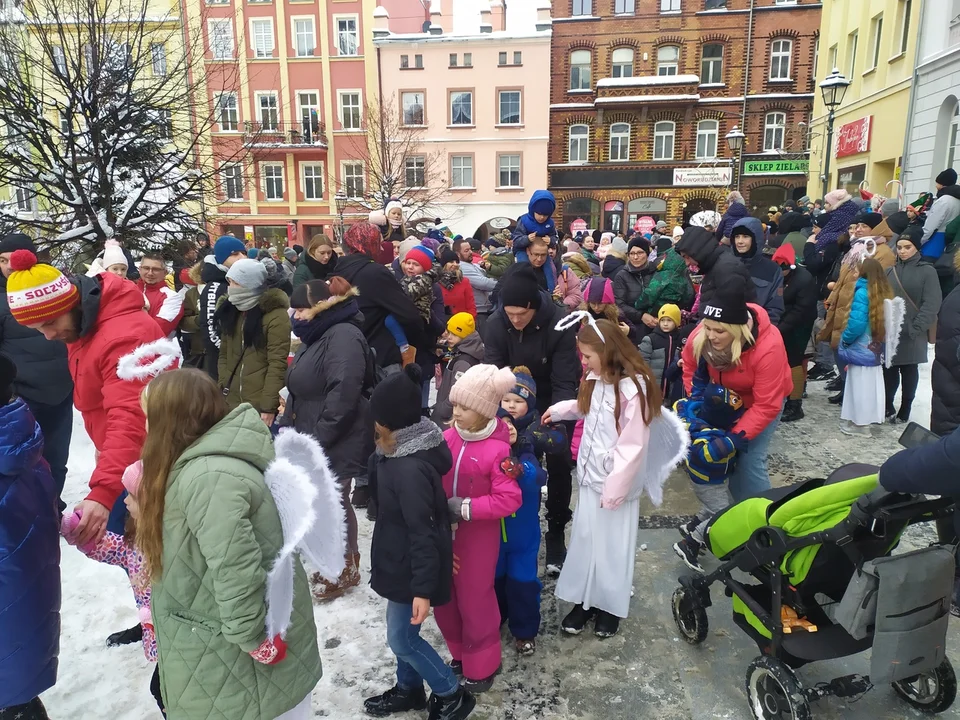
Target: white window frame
(422,168)
(774,130)
(509,170)
(59,59)
(582,8)
(423,108)
(853,45)
(340,107)
(65,123)
(307,131)
(518,57)
(225,169)
(295,34)
(158,59)
(345,34)
(500,120)
(624,7)
(269,47)
(833,53)
(953,139)
(346,179)
(257,99)
(668,64)
(876,35)
(581,67)
(580,141)
(714,63)
(164,124)
(316,169)
(617,67)
(215,46)
(669,6)
(781,57)
(265,184)
(450,118)
(904,9)
(708,137)
(466,165)
(623,143)
(24,198)
(218,108)
(662,130)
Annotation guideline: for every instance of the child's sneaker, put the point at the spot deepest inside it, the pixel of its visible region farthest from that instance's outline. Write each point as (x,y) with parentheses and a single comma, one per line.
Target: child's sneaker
(525,648)
(686,529)
(688,550)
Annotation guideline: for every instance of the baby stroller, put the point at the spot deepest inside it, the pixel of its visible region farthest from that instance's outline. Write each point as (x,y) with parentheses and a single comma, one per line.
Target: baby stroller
(817,581)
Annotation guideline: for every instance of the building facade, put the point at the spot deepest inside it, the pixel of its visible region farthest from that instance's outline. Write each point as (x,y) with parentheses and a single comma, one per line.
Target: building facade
(287,83)
(645,91)
(474,95)
(933,142)
(873,43)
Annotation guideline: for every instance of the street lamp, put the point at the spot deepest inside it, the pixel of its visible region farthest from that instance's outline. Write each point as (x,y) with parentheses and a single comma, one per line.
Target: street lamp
(833,88)
(735,143)
(341,200)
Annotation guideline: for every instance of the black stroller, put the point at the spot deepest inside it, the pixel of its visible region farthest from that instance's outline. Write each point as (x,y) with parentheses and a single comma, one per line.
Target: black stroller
(823,584)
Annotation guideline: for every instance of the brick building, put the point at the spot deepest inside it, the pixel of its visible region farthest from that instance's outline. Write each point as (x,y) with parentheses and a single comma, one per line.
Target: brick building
(644,92)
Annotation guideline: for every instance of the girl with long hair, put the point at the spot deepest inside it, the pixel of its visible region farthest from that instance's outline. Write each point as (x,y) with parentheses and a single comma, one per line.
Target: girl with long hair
(630,444)
(864,345)
(209,531)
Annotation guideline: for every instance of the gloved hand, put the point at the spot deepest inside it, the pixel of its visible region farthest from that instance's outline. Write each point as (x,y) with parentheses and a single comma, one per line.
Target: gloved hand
(739,440)
(270,651)
(455,506)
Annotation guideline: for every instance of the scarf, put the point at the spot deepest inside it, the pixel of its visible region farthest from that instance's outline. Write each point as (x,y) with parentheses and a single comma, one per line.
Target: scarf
(309,331)
(423,435)
(318,269)
(449,278)
(838,221)
(719,360)
(479,435)
(244,299)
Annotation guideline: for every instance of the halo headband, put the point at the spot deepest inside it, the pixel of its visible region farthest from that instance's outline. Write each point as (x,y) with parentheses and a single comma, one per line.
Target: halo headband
(575,318)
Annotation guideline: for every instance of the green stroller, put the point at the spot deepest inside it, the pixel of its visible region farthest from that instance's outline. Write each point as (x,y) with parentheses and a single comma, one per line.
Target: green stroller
(811,576)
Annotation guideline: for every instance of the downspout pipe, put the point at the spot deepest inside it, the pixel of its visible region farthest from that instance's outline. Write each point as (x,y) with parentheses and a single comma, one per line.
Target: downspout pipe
(904,164)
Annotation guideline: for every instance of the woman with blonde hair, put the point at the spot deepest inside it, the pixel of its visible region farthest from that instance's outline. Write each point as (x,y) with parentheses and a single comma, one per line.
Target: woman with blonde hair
(209,532)
(318,262)
(744,352)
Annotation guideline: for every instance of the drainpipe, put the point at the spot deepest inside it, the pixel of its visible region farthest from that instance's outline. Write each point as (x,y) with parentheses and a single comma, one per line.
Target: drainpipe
(746,91)
(912,102)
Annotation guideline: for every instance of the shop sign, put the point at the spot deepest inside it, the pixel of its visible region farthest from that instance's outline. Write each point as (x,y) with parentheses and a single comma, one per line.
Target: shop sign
(854,137)
(647,205)
(775,167)
(248,233)
(499,223)
(578,226)
(644,224)
(700,177)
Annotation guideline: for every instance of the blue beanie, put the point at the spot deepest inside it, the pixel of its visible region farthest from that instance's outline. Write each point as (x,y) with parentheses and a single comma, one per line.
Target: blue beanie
(253,254)
(526,386)
(226,246)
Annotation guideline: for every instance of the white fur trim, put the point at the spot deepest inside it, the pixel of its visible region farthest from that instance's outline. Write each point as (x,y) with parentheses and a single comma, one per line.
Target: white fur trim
(893,313)
(160,355)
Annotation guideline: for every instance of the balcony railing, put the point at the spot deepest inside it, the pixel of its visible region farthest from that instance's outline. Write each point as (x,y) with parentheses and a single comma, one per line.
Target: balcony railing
(285,134)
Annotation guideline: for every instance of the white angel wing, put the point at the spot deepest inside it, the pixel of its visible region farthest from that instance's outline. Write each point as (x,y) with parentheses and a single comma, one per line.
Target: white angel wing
(667,446)
(893,313)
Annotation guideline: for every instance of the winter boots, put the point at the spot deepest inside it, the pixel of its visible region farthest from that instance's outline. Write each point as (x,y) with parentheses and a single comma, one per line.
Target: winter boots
(126,637)
(577,619)
(395,700)
(793,411)
(454,707)
(324,590)
(556,551)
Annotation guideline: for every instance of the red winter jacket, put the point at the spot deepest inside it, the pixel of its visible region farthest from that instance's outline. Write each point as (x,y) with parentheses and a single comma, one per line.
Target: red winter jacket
(762,378)
(166,305)
(113,324)
(459,298)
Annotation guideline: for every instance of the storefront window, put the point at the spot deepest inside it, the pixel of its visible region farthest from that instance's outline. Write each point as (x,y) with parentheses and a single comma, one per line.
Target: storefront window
(275,235)
(649,207)
(613,216)
(584,209)
(764,197)
(849,178)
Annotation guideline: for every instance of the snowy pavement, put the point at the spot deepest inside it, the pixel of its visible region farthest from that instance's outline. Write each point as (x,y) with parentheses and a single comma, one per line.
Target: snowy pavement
(646,671)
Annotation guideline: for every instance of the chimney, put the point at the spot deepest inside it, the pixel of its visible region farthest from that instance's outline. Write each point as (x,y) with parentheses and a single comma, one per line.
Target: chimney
(436,18)
(498,15)
(544,21)
(381,22)
(486,19)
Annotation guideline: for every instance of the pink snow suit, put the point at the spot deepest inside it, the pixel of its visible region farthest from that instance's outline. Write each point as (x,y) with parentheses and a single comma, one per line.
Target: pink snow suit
(470,622)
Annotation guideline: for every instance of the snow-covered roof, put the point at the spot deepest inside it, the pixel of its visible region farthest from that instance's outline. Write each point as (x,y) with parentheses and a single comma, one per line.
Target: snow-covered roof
(646,98)
(571,106)
(643,80)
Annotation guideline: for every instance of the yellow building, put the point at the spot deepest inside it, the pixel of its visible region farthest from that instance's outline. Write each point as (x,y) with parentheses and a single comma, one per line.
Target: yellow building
(873,44)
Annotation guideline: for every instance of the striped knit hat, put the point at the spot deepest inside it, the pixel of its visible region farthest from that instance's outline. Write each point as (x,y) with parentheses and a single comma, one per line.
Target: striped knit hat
(37,292)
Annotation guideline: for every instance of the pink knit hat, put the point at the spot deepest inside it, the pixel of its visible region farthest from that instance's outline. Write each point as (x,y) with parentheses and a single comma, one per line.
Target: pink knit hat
(836,197)
(481,388)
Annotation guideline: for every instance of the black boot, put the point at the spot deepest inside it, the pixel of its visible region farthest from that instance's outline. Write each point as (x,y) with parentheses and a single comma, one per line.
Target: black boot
(834,385)
(33,710)
(836,399)
(606,625)
(793,411)
(820,372)
(126,637)
(556,551)
(395,700)
(475,687)
(576,620)
(453,707)
(361,496)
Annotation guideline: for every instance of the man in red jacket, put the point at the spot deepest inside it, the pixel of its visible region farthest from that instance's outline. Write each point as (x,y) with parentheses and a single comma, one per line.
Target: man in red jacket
(166,305)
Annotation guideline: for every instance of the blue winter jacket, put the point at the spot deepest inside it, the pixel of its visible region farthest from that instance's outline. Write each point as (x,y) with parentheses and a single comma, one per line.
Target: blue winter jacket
(29,561)
(856,343)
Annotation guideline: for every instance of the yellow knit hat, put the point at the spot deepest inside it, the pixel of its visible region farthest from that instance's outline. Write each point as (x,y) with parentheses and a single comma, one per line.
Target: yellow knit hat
(671,311)
(462,324)
(37,292)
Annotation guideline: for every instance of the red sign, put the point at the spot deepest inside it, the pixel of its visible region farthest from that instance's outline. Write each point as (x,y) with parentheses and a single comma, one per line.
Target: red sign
(291,234)
(854,138)
(578,225)
(644,224)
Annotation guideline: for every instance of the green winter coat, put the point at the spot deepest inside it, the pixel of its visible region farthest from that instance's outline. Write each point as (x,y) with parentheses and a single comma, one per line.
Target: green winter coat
(262,373)
(670,284)
(499,260)
(221,535)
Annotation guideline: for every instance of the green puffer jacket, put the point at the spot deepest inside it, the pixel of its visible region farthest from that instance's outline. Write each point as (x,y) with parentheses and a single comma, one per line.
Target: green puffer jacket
(670,284)
(261,375)
(221,535)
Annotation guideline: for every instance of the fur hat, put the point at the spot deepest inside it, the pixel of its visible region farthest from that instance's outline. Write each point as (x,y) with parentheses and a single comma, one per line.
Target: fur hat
(396,399)
(481,388)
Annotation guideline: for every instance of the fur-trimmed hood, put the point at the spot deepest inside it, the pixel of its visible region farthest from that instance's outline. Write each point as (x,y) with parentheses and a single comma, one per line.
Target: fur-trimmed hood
(334,300)
(274,299)
(195,271)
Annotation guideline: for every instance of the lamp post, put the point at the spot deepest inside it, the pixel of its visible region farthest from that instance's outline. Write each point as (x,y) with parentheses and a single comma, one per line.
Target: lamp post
(341,200)
(735,143)
(833,88)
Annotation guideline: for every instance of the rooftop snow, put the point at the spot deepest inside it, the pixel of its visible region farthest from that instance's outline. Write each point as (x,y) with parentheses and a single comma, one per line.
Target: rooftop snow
(649,80)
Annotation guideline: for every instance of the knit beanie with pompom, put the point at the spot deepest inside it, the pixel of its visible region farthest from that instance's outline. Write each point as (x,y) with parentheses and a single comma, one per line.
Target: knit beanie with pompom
(481,388)
(36,292)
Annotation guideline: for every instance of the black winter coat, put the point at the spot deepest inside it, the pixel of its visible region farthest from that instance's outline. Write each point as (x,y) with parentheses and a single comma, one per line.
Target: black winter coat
(766,276)
(411,554)
(628,286)
(799,314)
(929,468)
(820,265)
(43,375)
(717,263)
(214,288)
(381,295)
(550,354)
(945,373)
(327,381)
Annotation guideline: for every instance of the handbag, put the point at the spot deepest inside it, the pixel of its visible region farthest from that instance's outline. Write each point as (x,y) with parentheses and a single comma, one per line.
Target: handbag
(932,330)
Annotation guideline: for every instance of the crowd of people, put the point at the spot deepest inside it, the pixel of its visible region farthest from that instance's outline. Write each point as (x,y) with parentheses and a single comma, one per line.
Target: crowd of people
(548,355)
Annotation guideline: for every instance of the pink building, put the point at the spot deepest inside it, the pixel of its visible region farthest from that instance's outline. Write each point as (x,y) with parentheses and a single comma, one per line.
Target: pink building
(480,93)
(288,82)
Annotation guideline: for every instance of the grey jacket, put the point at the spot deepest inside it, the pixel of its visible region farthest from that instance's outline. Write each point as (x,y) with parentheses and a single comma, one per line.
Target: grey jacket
(481,284)
(467,354)
(917,283)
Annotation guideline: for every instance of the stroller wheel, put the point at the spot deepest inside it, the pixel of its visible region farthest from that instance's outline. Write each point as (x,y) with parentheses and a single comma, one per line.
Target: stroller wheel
(691,621)
(773,691)
(932,691)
